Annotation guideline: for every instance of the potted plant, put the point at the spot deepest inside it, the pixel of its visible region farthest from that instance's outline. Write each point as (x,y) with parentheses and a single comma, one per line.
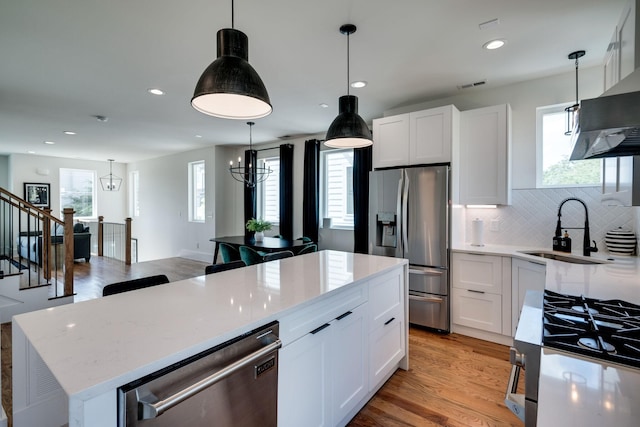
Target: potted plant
(259,226)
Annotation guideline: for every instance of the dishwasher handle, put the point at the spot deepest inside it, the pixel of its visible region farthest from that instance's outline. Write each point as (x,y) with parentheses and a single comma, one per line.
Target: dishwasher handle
(150,408)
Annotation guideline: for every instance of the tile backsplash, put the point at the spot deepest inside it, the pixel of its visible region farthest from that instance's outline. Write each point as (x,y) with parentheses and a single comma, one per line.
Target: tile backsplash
(531,219)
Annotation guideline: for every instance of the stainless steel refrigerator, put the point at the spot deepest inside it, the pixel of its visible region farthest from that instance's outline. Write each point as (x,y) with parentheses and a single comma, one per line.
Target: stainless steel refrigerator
(409,218)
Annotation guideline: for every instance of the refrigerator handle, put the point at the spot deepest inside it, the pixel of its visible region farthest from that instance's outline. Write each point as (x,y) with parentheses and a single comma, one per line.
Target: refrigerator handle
(399,220)
(405,214)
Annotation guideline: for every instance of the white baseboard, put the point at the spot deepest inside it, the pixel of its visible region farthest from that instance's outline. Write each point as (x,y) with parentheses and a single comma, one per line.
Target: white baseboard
(196,255)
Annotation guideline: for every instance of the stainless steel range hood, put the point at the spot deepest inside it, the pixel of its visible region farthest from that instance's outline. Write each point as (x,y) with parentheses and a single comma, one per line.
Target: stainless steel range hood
(609,126)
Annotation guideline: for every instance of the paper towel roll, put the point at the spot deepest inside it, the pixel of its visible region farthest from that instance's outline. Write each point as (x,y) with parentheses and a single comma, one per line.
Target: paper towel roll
(477,231)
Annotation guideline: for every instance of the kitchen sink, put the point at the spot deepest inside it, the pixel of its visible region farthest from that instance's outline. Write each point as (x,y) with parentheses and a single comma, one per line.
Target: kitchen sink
(564,258)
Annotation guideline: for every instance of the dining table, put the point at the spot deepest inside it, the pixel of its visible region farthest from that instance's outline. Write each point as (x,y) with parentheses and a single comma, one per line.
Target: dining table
(267,244)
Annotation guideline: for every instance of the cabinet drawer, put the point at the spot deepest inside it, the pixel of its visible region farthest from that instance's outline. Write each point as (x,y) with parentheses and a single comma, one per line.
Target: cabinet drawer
(477,272)
(477,310)
(305,320)
(386,298)
(386,350)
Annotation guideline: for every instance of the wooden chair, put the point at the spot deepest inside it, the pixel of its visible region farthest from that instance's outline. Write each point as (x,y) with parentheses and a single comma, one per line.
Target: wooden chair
(131,285)
(217,268)
(277,255)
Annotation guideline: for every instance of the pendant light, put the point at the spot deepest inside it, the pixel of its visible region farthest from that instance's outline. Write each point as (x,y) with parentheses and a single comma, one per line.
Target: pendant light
(230,88)
(110,182)
(348,130)
(572,110)
(249,174)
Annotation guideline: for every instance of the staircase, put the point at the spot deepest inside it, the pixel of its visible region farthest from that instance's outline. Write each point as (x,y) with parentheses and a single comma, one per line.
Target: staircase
(29,234)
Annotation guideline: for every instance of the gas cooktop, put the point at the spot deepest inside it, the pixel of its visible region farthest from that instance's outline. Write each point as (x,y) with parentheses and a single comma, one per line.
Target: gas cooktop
(608,330)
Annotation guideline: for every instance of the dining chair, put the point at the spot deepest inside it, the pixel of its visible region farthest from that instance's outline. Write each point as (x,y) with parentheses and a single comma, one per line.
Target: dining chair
(250,256)
(217,268)
(131,285)
(229,253)
(277,255)
(305,239)
(308,249)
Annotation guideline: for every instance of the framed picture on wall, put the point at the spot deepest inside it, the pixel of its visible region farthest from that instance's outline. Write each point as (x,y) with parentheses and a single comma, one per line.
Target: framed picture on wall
(37,194)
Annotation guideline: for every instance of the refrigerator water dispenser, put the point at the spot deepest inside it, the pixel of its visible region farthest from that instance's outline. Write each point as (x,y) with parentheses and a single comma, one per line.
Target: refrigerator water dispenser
(386,229)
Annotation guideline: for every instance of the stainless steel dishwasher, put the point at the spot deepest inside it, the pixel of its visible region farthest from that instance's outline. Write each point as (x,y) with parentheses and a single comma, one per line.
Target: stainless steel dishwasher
(233,384)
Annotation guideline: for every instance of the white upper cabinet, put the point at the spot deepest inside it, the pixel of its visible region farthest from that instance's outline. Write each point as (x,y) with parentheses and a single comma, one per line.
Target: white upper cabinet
(482,161)
(623,52)
(421,137)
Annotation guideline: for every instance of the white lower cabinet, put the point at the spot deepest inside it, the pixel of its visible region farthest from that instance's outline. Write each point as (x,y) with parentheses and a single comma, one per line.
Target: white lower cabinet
(481,295)
(525,276)
(328,373)
(327,366)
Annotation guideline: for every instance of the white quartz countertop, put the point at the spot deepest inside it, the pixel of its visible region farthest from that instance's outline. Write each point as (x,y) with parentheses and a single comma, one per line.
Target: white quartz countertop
(617,278)
(98,345)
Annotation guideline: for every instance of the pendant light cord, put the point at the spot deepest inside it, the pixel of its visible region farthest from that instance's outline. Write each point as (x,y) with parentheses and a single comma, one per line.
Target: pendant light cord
(576,79)
(348,56)
(232,15)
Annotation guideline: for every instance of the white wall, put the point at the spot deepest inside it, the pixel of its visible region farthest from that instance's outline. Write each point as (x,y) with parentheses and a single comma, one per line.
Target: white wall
(524,98)
(163,228)
(42,169)
(4,171)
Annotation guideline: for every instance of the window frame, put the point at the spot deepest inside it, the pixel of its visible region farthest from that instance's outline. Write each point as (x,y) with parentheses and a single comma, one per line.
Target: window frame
(193,188)
(94,193)
(324,196)
(261,197)
(539,167)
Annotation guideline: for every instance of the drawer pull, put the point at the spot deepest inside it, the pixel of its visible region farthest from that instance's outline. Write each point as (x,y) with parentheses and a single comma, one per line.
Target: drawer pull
(319,328)
(389,321)
(342,316)
(475,292)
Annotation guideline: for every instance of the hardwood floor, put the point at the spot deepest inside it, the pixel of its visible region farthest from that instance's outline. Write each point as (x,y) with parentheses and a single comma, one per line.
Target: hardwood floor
(453,380)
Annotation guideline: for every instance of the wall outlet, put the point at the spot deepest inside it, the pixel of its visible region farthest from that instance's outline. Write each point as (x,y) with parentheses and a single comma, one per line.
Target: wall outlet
(494,225)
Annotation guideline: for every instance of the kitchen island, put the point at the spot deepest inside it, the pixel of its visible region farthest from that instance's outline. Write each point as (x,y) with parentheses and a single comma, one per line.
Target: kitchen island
(68,361)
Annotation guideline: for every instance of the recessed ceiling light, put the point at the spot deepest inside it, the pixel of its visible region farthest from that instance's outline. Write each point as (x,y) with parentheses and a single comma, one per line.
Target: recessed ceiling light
(69,132)
(155,91)
(359,84)
(494,44)
(49,142)
(198,136)
(31,152)
(323,105)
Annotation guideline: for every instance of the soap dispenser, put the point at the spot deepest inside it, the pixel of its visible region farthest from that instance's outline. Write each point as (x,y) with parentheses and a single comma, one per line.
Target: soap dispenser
(565,242)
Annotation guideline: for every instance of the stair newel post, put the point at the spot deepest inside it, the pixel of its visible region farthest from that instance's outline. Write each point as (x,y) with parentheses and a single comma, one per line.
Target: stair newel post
(46,244)
(127,240)
(68,250)
(100,234)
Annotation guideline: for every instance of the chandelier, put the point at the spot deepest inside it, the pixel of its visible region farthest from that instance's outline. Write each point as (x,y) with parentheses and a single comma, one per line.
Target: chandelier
(110,182)
(249,174)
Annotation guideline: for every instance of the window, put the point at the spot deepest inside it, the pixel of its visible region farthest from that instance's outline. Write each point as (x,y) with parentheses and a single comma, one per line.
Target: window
(554,169)
(134,194)
(196,191)
(78,191)
(337,185)
(268,191)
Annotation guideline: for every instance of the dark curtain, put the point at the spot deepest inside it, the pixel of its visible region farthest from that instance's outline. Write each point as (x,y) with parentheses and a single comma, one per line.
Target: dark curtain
(311,190)
(362,163)
(286,191)
(250,158)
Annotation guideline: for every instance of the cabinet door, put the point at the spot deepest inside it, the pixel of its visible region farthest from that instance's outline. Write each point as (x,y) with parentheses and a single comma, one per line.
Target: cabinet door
(627,40)
(391,141)
(303,381)
(430,134)
(525,276)
(484,156)
(387,347)
(349,365)
(477,309)
(477,272)
(611,61)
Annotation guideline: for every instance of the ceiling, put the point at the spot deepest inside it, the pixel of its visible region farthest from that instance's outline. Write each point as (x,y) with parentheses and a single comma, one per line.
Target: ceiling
(66,61)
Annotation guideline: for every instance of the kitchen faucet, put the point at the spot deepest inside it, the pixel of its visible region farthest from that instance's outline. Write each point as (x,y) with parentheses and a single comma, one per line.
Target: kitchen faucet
(586,249)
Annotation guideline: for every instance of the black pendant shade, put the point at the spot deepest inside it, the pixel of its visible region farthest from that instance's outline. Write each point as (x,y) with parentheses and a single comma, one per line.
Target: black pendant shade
(348,129)
(230,88)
